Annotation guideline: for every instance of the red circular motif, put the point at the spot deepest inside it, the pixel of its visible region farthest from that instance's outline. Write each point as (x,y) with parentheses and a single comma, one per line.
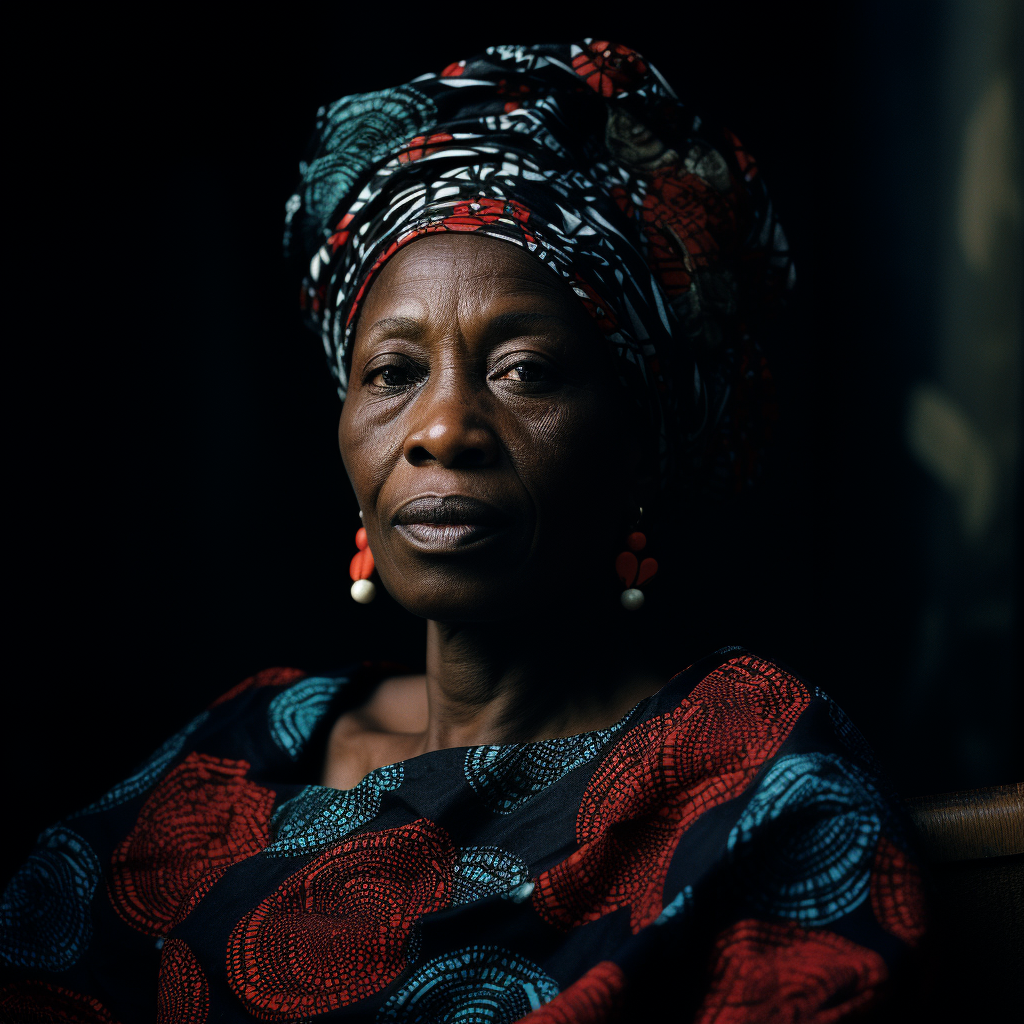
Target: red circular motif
(657,781)
(183,993)
(335,932)
(592,999)
(29,1002)
(609,67)
(780,972)
(204,817)
(897,897)
(688,222)
(268,677)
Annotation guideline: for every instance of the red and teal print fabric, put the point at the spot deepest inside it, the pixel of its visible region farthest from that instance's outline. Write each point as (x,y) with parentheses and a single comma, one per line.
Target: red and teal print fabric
(728,851)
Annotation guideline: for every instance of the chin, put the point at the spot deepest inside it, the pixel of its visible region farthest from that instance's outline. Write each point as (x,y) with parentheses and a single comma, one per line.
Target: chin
(455,597)
(459,605)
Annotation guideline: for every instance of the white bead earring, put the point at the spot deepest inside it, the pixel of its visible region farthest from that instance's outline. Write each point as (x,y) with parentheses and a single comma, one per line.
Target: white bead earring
(361,569)
(632,571)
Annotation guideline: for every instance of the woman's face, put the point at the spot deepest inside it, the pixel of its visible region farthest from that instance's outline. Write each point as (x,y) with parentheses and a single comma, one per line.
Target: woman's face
(485,434)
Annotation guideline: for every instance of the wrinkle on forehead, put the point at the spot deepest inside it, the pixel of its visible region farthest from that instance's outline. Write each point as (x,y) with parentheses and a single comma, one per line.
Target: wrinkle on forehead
(457,273)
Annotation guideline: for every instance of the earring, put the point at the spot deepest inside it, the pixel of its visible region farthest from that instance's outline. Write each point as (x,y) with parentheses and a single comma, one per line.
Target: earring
(634,572)
(361,569)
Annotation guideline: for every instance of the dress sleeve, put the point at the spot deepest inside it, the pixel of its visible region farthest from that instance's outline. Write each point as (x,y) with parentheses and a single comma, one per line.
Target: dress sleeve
(823,886)
(84,920)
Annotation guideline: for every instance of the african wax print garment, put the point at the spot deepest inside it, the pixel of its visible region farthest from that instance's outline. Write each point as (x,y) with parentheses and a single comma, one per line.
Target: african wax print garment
(727,851)
(583,156)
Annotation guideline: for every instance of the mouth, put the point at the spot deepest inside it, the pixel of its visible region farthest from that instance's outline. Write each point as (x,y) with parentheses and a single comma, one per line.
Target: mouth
(448,523)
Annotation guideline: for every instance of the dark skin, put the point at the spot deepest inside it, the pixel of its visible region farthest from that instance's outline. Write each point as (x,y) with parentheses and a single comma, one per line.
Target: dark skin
(493,454)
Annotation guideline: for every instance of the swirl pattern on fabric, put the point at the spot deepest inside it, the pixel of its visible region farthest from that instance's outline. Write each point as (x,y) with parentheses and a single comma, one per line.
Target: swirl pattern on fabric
(505,777)
(782,972)
(320,816)
(266,677)
(39,1002)
(657,781)
(183,993)
(294,714)
(476,985)
(204,817)
(595,998)
(45,916)
(582,155)
(630,857)
(337,930)
(897,896)
(146,777)
(353,134)
(820,871)
(482,871)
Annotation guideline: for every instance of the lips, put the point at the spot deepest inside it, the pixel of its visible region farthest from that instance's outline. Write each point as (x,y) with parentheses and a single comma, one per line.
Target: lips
(448,522)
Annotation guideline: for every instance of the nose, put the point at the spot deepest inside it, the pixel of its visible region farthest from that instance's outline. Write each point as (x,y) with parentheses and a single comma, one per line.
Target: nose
(451,430)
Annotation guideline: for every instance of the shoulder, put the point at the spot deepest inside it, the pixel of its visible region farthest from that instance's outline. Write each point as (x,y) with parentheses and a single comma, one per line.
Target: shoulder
(736,690)
(273,717)
(283,687)
(742,685)
(737,699)
(275,678)
(811,759)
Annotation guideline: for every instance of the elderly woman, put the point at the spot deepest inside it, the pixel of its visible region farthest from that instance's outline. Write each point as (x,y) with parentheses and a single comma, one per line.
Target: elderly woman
(536,275)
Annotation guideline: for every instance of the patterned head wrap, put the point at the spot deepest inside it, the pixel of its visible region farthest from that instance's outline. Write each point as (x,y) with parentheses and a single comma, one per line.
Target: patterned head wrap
(583,155)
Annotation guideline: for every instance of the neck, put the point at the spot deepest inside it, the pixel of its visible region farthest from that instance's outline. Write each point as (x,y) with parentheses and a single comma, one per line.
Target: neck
(518,681)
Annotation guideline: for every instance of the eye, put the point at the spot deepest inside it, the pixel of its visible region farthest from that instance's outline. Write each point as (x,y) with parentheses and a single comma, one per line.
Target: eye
(394,376)
(528,372)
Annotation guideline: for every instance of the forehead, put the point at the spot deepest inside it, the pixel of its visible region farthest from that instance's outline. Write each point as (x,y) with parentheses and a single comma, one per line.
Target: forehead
(464,274)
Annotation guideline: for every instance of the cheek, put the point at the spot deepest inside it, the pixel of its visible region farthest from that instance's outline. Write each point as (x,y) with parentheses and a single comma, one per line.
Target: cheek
(365,452)
(579,435)
(573,459)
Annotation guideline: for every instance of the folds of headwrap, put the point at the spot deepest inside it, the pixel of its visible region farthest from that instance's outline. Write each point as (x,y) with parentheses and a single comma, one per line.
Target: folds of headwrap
(583,155)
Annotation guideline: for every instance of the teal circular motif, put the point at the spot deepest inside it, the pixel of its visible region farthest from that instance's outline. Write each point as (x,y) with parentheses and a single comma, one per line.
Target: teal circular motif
(357,132)
(476,985)
(318,816)
(45,914)
(505,777)
(295,713)
(803,845)
(482,871)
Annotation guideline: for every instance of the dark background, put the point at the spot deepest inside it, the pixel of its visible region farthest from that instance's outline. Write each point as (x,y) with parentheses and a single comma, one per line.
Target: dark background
(179,512)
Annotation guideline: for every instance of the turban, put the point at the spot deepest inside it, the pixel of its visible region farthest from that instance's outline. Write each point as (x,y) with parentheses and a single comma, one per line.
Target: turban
(582,155)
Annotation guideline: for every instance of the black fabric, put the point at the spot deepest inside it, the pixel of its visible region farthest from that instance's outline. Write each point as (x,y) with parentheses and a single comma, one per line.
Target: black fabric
(728,846)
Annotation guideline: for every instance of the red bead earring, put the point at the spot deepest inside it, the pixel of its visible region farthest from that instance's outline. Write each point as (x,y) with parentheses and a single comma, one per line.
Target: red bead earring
(361,569)
(634,572)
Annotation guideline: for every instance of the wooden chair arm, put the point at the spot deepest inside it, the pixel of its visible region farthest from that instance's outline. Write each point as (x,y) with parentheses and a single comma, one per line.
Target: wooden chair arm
(972,824)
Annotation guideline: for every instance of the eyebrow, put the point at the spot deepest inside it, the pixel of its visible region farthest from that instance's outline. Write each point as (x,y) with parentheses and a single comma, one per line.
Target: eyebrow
(402,326)
(504,325)
(508,325)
